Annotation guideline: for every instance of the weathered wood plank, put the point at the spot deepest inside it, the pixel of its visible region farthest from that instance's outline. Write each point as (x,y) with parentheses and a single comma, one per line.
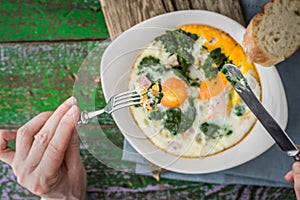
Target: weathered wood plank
(121,15)
(51,20)
(37,77)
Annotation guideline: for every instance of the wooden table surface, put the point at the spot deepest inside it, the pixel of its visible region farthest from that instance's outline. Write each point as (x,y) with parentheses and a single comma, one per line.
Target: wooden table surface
(42,45)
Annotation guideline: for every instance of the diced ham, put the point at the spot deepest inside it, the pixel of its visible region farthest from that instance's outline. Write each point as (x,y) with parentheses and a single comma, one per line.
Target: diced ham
(171,61)
(143,83)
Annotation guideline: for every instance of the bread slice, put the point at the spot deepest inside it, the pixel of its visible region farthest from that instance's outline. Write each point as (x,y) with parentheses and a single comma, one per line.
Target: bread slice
(274,34)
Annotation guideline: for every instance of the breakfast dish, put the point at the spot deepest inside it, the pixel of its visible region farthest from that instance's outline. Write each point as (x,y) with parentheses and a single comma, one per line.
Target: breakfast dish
(116,67)
(190,109)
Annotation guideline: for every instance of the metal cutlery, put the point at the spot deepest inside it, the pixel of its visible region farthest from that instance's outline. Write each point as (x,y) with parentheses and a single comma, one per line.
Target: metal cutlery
(239,83)
(116,102)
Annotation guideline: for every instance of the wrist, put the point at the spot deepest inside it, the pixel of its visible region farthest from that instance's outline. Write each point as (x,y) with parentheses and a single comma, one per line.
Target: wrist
(74,194)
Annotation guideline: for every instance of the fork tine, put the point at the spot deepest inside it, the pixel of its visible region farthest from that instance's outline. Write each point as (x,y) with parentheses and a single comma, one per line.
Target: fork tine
(120,99)
(115,108)
(126,97)
(126,100)
(125,94)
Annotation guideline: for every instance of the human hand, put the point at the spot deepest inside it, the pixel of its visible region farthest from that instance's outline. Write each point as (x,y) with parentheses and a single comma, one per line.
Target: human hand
(46,159)
(294,176)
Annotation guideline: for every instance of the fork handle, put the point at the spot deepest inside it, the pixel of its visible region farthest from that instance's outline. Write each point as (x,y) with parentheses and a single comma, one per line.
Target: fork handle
(85,116)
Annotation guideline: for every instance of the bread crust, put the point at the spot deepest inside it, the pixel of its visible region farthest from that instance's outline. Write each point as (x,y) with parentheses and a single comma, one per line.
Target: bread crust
(254,52)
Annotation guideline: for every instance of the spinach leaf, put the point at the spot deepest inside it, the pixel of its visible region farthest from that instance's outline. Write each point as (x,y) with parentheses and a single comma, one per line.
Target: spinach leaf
(177,121)
(172,120)
(194,82)
(228,132)
(210,130)
(178,42)
(209,71)
(228,77)
(148,62)
(213,131)
(219,58)
(148,65)
(152,97)
(183,66)
(215,61)
(191,35)
(239,110)
(188,117)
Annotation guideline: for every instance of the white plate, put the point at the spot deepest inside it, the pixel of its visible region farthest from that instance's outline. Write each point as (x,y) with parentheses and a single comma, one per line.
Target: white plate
(115,68)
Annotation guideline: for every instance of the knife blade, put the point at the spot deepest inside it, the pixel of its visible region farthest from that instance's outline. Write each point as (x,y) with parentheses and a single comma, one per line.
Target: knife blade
(240,85)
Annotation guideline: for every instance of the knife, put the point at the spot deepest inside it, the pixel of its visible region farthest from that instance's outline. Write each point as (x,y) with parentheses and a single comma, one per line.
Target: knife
(240,85)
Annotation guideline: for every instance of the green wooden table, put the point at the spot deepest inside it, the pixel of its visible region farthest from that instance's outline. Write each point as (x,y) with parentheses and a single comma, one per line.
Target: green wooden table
(42,45)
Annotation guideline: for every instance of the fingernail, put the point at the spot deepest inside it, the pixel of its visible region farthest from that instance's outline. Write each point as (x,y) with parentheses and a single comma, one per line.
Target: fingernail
(71,101)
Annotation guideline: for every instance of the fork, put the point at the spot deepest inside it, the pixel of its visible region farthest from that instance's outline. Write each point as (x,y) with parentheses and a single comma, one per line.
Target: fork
(116,102)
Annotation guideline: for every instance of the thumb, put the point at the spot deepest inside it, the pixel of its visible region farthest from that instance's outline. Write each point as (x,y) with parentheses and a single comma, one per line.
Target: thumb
(6,153)
(296,172)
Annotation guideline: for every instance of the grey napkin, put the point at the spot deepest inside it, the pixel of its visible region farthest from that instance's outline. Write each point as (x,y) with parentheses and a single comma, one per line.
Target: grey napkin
(269,168)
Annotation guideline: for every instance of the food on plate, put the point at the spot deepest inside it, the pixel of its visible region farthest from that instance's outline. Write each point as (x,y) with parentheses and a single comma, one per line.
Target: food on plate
(274,34)
(190,109)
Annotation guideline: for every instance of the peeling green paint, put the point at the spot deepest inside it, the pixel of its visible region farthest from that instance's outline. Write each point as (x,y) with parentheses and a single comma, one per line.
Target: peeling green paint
(51,20)
(37,77)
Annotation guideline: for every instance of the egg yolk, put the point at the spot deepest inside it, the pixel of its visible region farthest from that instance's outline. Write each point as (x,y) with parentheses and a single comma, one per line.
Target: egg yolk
(174,92)
(214,38)
(214,87)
